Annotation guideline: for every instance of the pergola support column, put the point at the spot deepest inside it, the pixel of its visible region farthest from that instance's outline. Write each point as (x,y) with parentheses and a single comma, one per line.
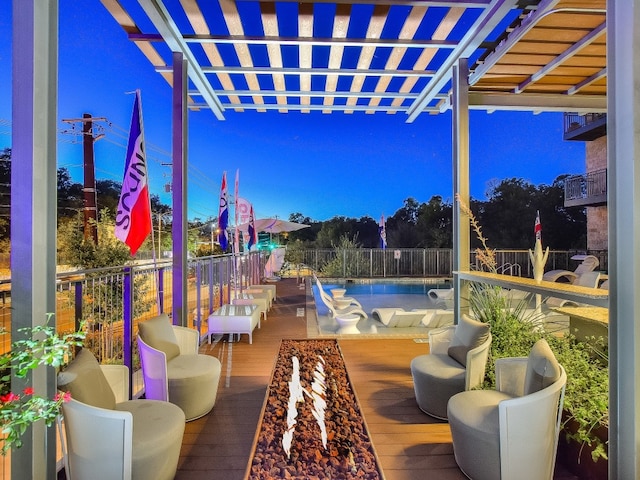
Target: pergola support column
(623,150)
(33,209)
(460,150)
(179,190)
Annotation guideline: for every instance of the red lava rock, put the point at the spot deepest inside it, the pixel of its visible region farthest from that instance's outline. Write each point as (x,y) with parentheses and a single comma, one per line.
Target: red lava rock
(349,453)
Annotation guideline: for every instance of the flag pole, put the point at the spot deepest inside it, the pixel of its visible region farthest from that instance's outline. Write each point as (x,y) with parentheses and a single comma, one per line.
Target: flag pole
(236,234)
(153,238)
(156,280)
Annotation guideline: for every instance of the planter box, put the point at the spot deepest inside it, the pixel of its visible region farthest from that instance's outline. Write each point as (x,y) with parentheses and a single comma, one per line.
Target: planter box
(577,458)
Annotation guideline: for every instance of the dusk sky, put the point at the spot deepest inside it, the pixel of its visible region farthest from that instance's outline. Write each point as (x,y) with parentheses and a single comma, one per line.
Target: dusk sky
(319,165)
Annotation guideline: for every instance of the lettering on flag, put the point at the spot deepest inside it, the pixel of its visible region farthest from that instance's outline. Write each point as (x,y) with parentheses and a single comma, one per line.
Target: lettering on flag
(382,229)
(244,207)
(133,215)
(537,229)
(223,214)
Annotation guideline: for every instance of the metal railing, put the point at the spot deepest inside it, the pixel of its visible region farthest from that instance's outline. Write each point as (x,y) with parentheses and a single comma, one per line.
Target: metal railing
(429,262)
(99,296)
(111,301)
(588,189)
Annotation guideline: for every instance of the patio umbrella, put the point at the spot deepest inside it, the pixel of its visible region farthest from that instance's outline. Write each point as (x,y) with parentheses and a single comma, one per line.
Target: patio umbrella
(273,225)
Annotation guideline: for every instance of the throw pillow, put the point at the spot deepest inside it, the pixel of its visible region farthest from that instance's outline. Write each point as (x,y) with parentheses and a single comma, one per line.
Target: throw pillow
(468,335)
(83,378)
(542,368)
(157,332)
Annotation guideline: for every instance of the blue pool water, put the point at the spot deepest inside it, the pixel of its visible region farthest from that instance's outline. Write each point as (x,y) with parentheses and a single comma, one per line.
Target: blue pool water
(377,295)
(372,295)
(354,289)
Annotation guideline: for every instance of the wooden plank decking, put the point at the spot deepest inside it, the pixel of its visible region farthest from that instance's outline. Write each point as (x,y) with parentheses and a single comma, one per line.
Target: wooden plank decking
(410,444)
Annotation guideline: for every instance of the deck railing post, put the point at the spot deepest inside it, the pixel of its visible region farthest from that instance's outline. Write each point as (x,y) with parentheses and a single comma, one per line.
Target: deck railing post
(78,304)
(127,317)
(198,316)
(161,290)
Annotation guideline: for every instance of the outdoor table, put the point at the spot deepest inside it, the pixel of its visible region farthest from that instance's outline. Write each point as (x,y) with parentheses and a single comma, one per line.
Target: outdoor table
(232,320)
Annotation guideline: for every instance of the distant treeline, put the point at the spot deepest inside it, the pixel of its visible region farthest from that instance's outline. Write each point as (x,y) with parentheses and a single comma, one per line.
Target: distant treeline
(507,219)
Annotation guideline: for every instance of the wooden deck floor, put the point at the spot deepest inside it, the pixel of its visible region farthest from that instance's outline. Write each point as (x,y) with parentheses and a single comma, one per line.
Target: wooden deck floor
(409,443)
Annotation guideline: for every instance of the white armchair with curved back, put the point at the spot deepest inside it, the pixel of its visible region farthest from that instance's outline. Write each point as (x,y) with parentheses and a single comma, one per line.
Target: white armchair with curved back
(456,362)
(511,433)
(108,437)
(172,368)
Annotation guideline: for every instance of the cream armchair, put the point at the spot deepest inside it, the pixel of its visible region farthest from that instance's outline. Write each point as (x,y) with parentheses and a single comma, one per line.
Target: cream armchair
(511,432)
(108,437)
(456,362)
(172,368)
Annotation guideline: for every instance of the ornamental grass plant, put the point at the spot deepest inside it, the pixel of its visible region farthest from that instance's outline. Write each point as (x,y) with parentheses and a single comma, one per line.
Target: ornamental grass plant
(515,328)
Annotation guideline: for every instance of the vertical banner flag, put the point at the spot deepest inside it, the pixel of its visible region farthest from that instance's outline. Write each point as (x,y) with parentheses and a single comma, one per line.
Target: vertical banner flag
(223,213)
(133,215)
(383,232)
(253,234)
(537,229)
(236,234)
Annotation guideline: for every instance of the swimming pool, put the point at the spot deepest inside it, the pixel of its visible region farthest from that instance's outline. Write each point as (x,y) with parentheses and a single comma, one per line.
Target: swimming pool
(378,294)
(387,288)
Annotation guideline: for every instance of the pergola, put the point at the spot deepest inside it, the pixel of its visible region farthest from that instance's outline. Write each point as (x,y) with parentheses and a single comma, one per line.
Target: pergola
(406,57)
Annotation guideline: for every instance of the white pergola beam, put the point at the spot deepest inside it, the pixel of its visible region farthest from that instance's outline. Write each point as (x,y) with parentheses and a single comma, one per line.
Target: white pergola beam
(162,20)
(486,22)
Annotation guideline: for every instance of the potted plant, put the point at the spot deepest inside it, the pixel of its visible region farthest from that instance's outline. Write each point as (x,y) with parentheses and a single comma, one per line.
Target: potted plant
(18,410)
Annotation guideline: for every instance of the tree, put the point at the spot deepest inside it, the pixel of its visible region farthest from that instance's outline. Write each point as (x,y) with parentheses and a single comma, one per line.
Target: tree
(435,224)
(104,301)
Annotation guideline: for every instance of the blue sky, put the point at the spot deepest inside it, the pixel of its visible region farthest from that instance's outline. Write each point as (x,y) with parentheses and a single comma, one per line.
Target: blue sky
(319,165)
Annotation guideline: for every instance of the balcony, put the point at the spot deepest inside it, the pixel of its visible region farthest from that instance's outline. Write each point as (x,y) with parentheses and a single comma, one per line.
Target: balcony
(586,190)
(584,127)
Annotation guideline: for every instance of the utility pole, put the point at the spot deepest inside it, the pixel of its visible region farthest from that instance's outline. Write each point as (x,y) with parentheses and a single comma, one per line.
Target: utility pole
(89,188)
(90,208)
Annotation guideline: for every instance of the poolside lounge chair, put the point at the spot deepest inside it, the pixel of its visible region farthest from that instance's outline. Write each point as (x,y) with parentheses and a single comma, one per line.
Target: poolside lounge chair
(441,296)
(340,302)
(589,264)
(401,318)
(588,279)
(335,311)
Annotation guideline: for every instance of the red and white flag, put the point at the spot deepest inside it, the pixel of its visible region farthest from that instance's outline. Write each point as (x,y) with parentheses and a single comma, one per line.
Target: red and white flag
(133,216)
(537,228)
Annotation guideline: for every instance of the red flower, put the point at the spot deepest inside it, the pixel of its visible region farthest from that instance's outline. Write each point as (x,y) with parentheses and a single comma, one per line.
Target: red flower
(66,396)
(9,397)
(28,391)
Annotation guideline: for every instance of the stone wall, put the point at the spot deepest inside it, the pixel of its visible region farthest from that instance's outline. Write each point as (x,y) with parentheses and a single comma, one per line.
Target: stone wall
(597,217)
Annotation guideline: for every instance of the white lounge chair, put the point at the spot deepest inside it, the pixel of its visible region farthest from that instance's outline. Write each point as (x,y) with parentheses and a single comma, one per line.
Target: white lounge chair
(339,302)
(588,279)
(442,296)
(589,264)
(399,317)
(337,311)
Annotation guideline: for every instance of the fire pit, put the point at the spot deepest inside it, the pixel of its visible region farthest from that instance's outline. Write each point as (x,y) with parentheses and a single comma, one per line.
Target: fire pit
(310,392)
